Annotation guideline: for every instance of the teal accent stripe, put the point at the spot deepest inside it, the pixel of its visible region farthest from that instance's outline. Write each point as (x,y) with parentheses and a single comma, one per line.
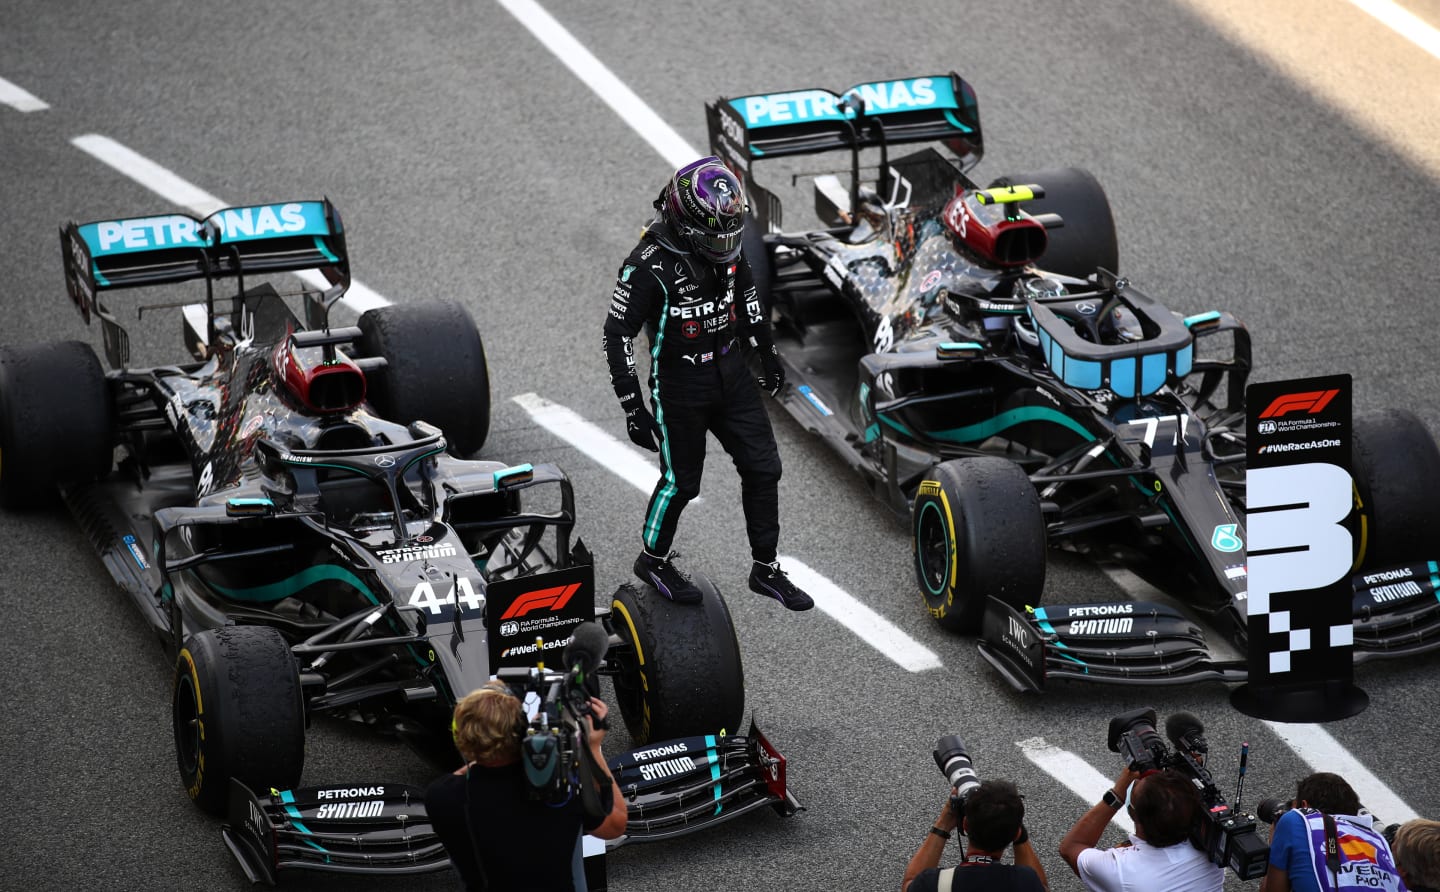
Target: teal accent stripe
(660,502)
(981,430)
(1044,621)
(300,581)
(872,433)
(714,769)
(320,246)
(99,279)
(295,815)
(1201,317)
(955,122)
(287,796)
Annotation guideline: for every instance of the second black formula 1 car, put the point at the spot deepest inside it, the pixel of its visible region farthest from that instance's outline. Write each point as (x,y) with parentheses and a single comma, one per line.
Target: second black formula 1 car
(293,513)
(973,353)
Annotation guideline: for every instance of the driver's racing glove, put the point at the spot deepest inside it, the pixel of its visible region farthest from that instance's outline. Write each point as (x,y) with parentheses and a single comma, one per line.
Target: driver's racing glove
(773,381)
(639,423)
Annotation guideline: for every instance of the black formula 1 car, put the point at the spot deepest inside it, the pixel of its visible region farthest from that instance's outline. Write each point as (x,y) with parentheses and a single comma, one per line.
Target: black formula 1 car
(292,515)
(974,354)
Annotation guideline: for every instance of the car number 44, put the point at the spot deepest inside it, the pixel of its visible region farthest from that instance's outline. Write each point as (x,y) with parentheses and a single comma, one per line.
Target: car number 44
(461,592)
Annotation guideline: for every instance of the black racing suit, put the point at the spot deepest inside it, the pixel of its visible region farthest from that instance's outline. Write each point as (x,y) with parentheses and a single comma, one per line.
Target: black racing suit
(699,380)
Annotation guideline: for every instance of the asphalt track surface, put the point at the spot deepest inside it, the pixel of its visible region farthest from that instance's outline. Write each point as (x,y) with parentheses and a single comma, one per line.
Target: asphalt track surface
(469,164)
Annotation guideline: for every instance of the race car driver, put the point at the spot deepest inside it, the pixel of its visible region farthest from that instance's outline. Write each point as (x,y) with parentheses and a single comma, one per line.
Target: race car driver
(680,284)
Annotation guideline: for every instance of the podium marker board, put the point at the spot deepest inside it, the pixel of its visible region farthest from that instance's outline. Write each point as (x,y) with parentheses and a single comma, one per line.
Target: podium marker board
(1299,494)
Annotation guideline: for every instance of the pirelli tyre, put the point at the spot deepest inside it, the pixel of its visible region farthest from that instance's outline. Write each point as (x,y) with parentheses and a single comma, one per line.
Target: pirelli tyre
(678,665)
(435,370)
(1396,467)
(977,531)
(55,421)
(1087,240)
(237,712)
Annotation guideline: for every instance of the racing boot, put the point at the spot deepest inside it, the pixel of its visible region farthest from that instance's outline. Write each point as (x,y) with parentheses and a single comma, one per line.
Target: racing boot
(769,579)
(668,581)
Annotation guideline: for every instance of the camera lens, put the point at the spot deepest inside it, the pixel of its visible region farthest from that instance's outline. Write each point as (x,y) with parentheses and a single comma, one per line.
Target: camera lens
(1270,810)
(955,764)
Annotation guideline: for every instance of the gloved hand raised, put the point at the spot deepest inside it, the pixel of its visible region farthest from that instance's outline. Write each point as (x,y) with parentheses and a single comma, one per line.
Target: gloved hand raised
(639,423)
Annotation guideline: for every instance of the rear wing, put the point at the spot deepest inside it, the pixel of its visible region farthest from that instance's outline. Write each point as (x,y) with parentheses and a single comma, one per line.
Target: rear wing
(935,108)
(107,255)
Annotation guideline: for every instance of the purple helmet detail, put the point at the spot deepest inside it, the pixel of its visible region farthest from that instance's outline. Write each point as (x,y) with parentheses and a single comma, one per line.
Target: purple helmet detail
(706,206)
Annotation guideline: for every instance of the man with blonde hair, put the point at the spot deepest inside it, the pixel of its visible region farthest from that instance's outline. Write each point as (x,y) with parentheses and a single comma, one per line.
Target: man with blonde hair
(1417,854)
(499,835)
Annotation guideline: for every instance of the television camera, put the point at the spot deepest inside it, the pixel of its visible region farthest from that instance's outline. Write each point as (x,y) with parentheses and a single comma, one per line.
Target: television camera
(1226,835)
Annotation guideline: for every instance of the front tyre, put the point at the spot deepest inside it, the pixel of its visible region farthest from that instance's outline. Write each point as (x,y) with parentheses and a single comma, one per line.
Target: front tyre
(55,421)
(1397,483)
(237,712)
(976,531)
(679,664)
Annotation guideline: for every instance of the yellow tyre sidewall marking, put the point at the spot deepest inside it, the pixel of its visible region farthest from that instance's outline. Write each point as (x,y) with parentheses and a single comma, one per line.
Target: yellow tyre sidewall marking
(189,665)
(619,608)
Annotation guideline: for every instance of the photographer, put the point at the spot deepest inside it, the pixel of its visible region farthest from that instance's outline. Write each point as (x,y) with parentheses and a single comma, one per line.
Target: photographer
(1166,807)
(498,834)
(1417,854)
(993,820)
(1323,842)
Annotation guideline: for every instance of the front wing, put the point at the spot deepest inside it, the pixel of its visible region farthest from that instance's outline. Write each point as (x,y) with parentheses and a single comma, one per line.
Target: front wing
(1396,614)
(380,829)
(672,788)
(680,786)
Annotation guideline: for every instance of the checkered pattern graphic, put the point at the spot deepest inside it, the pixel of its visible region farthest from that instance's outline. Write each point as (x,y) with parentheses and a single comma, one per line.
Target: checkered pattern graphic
(1318,498)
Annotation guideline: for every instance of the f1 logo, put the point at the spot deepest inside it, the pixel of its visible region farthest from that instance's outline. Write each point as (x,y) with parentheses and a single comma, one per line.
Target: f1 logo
(1310,402)
(553,598)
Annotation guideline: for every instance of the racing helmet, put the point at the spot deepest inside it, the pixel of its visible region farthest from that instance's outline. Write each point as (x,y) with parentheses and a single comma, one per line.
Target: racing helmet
(1034,288)
(705,205)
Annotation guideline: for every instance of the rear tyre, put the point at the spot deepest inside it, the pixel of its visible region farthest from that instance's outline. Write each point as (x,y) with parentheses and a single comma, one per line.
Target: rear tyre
(977,530)
(435,370)
(237,712)
(55,421)
(679,664)
(1087,240)
(1397,478)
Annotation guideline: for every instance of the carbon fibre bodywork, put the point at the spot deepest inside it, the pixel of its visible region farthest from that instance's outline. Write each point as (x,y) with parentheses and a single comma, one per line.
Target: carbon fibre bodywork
(261,488)
(929,320)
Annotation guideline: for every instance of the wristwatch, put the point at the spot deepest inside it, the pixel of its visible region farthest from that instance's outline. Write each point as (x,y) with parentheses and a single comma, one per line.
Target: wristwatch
(1110,799)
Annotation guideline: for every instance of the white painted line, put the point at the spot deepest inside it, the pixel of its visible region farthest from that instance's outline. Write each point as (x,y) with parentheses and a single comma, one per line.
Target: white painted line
(1403,22)
(631,109)
(147,173)
(1073,772)
(182,193)
(872,628)
(19,98)
(624,460)
(635,467)
(358,297)
(1322,752)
